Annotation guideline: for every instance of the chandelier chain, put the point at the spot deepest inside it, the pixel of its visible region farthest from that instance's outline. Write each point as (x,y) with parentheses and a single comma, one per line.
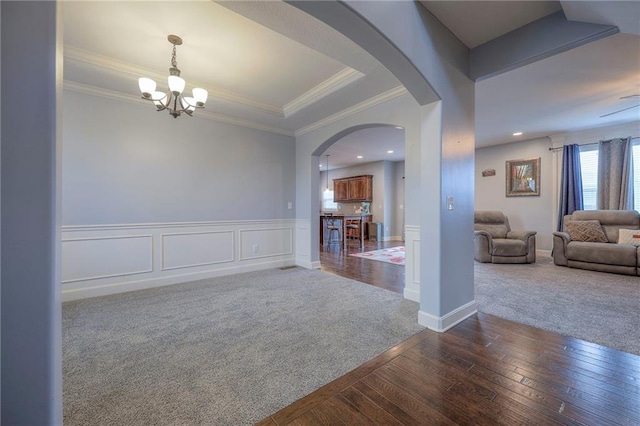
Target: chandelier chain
(174,63)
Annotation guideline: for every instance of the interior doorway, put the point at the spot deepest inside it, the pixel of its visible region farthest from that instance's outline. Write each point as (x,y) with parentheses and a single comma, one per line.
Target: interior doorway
(374,253)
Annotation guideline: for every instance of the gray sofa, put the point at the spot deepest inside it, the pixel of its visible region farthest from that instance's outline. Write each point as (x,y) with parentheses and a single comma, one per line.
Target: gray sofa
(495,242)
(598,256)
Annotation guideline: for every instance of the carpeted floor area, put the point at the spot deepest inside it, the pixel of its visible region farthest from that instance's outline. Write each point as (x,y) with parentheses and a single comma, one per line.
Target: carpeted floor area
(225,351)
(595,306)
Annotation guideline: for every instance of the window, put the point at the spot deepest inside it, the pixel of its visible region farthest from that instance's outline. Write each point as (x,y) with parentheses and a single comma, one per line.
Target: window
(327,201)
(589,169)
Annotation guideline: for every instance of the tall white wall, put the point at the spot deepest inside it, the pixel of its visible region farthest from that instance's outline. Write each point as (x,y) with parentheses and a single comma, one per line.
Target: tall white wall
(531,213)
(127,163)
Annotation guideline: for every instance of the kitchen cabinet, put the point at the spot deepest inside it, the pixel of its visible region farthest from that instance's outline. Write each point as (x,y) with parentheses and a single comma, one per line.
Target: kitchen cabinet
(353,189)
(340,190)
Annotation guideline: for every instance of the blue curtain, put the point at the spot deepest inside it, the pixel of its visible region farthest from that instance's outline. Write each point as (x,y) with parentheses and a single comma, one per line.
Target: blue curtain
(615,174)
(571,183)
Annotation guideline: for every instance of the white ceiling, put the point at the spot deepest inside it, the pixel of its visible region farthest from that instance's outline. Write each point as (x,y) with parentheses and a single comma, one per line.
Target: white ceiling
(269,66)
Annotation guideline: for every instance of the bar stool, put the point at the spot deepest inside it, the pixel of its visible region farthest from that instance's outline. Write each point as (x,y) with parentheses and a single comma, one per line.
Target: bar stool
(353,231)
(333,229)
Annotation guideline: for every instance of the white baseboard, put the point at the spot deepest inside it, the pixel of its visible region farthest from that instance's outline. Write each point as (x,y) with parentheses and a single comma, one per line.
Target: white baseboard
(442,324)
(122,287)
(546,253)
(307,264)
(412,292)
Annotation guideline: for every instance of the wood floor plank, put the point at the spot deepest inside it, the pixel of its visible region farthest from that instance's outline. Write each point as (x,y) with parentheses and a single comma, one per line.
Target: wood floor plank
(348,412)
(406,401)
(550,349)
(460,407)
(507,392)
(369,408)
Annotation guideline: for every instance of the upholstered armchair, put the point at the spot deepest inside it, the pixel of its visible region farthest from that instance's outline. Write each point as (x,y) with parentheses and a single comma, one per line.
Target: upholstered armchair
(495,242)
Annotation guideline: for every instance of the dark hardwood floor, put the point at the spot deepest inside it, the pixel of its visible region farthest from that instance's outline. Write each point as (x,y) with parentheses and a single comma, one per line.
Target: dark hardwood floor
(486,370)
(337,261)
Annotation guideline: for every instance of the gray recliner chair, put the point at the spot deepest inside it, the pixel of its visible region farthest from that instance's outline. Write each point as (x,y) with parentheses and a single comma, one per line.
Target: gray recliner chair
(495,242)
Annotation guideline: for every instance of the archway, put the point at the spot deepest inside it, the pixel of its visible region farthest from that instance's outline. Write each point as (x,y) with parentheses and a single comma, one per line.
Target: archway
(380,157)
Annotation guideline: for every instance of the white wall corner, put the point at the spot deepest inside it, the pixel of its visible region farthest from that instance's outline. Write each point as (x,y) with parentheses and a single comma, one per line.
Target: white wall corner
(442,324)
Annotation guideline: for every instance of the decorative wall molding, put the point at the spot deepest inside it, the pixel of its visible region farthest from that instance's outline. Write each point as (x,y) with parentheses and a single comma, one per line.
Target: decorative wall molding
(92,258)
(303,243)
(101,61)
(190,249)
(442,324)
(376,100)
(270,242)
(207,115)
(327,87)
(412,263)
(108,259)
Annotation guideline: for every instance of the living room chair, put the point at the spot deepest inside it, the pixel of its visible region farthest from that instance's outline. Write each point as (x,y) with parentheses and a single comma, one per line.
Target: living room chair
(495,242)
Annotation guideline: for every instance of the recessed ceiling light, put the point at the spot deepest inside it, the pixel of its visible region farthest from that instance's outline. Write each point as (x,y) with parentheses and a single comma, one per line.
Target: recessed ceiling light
(390,151)
(359,157)
(517,134)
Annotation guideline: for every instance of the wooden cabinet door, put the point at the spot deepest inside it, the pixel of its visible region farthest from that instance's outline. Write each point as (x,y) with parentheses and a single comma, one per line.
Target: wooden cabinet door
(361,188)
(357,189)
(340,190)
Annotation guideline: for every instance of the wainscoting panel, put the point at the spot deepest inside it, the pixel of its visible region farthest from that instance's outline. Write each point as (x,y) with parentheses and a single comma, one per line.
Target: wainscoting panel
(303,243)
(412,268)
(106,259)
(196,249)
(260,243)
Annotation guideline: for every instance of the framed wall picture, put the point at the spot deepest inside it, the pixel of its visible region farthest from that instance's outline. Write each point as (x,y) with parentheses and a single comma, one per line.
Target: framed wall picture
(523,177)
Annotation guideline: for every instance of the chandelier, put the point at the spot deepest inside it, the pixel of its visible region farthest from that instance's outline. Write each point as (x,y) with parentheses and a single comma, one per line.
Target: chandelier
(174,101)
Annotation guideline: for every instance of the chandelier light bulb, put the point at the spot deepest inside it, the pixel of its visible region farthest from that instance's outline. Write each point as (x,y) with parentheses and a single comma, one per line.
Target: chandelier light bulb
(176,84)
(147,86)
(200,96)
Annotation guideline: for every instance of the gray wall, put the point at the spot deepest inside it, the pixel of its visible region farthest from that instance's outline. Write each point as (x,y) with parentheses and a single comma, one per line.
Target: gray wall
(31,306)
(531,213)
(398,203)
(127,163)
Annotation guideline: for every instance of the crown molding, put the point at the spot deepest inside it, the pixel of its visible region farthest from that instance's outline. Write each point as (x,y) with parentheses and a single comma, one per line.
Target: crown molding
(119,96)
(94,59)
(376,100)
(327,87)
